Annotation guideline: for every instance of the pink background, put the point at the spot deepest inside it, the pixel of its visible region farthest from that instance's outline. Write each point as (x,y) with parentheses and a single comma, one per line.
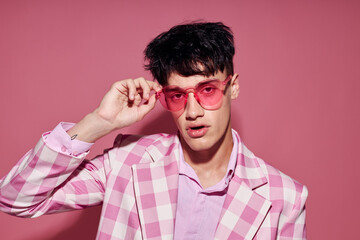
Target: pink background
(299,66)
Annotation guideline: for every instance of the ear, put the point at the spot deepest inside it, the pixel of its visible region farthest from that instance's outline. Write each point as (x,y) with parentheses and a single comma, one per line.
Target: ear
(235,88)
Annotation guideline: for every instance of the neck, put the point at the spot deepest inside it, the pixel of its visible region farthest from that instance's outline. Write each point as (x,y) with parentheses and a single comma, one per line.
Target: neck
(214,159)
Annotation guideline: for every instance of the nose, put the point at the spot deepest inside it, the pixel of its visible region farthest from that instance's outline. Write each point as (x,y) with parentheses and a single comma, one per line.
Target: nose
(193,109)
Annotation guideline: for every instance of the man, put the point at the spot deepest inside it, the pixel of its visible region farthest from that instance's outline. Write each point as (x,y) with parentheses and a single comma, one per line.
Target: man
(202,183)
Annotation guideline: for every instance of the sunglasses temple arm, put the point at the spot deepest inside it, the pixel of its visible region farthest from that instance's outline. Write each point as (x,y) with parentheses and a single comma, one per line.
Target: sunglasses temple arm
(158,94)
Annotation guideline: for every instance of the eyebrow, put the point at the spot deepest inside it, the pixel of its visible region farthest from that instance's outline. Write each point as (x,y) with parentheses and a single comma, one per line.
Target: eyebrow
(173,87)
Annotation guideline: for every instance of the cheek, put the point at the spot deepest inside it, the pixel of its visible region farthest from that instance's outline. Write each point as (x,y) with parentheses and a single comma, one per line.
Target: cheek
(223,115)
(221,118)
(177,117)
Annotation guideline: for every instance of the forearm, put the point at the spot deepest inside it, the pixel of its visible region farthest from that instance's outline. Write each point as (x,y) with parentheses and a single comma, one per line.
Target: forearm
(48,177)
(34,177)
(46,181)
(90,128)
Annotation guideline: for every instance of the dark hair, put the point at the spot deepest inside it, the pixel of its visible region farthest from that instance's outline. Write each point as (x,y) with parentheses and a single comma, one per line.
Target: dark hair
(201,48)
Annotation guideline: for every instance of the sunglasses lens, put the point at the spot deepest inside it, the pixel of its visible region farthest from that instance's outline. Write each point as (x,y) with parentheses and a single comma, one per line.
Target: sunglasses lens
(173,100)
(209,95)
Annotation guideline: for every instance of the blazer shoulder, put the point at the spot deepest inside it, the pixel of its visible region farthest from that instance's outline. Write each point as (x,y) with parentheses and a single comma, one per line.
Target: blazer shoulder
(274,176)
(132,149)
(280,185)
(124,140)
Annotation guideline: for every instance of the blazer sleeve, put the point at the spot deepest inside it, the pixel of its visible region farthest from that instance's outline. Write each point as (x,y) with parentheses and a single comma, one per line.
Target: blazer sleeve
(47,181)
(294,226)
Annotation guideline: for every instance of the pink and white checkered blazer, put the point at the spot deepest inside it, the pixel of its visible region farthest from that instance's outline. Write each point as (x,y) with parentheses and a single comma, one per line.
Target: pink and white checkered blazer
(137,183)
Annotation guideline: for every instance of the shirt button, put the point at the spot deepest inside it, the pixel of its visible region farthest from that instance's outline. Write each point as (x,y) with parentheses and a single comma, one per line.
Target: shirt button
(63,149)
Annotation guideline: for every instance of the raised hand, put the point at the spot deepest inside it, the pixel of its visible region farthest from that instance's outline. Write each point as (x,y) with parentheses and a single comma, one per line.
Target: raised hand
(127,102)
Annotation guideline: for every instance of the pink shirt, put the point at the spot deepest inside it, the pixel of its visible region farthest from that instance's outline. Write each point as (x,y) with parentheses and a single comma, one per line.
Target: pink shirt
(198,210)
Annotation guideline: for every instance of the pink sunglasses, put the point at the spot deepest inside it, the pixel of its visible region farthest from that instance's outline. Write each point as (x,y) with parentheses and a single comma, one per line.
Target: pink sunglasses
(208,93)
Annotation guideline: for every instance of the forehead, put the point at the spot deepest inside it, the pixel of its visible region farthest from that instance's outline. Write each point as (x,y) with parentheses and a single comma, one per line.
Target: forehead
(191,81)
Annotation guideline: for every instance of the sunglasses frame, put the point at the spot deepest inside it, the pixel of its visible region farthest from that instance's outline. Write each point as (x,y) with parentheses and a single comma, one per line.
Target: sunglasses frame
(192,90)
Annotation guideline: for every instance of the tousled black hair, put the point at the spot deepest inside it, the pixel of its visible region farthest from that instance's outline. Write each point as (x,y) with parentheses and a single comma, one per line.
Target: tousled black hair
(201,48)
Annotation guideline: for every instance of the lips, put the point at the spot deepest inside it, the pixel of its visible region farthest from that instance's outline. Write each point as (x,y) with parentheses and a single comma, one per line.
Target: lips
(197,131)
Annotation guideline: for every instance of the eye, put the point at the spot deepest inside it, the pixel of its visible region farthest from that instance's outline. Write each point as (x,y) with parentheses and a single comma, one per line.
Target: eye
(175,96)
(208,89)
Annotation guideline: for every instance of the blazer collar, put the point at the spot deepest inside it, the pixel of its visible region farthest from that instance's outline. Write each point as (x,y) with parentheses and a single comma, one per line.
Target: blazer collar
(248,169)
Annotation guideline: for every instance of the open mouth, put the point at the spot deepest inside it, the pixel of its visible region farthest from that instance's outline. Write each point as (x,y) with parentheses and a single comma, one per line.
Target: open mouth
(197,127)
(197,131)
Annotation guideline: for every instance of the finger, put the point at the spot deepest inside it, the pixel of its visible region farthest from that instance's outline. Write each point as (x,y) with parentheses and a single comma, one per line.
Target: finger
(155,86)
(146,107)
(152,84)
(144,86)
(138,99)
(130,85)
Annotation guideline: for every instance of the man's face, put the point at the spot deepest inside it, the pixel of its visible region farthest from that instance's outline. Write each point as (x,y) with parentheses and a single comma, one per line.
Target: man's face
(202,129)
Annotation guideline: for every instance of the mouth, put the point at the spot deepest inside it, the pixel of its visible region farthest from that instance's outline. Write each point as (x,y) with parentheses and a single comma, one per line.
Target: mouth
(196,128)
(197,131)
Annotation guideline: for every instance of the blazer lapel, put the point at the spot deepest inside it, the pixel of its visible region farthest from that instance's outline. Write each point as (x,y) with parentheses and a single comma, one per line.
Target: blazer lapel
(244,210)
(156,188)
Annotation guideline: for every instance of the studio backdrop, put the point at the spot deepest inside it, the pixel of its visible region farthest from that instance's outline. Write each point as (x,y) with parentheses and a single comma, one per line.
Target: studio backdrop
(298,108)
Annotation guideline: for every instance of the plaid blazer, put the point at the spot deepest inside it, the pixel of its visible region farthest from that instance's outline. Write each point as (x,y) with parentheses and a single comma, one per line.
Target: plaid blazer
(137,183)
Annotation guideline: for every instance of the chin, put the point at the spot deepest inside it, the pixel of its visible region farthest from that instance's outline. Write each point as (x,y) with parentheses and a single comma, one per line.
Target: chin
(198,144)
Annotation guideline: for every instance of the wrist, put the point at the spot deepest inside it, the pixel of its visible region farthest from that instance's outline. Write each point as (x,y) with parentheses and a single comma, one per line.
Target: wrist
(90,128)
